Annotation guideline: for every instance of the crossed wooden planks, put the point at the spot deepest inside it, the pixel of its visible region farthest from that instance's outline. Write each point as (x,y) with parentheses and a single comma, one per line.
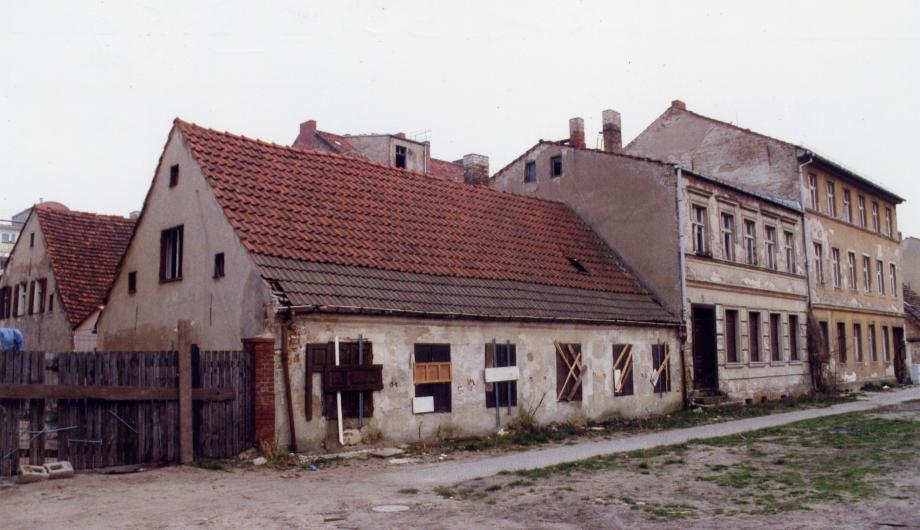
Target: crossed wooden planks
(572,360)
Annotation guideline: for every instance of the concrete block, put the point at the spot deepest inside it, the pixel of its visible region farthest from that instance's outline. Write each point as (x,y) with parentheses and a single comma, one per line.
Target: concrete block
(61,469)
(28,474)
(351,436)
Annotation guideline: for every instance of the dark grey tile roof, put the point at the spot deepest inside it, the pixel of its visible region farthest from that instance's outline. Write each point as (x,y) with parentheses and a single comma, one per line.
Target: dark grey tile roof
(342,288)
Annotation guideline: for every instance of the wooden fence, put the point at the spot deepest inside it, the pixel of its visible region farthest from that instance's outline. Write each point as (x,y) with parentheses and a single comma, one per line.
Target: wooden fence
(104,409)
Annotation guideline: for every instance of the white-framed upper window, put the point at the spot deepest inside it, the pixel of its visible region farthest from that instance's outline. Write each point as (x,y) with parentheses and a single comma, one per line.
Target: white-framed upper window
(861,209)
(867,274)
(847,206)
(831,199)
(770,245)
(789,240)
(876,225)
(728,236)
(880,276)
(835,266)
(819,263)
(698,228)
(813,190)
(750,241)
(889,224)
(893,279)
(851,270)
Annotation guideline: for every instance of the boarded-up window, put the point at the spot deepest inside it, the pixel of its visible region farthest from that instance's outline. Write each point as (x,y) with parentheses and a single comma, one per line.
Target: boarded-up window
(569,370)
(505,355)
(435,355)
(661,368)
(731,335)
(622,370)
(322,354)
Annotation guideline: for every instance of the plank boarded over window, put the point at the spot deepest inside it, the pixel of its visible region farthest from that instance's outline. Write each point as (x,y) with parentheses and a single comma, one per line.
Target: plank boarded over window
(622,370)
(505,355)
(435,356)
(661,368)
(321,355)
(569,371)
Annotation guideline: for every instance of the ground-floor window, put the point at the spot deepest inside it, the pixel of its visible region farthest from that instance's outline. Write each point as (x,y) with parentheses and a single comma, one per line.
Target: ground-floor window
(355,404)
(842,342)
(506,391)
(731,336)
(569,371)
(793,337)
(886,344)
(661,368)
(433,374)
(857,342)
(776,345)
(873,350)
(622,370)
(754,335)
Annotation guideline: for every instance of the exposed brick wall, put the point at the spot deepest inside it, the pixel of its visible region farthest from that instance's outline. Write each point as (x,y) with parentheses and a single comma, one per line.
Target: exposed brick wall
(263,377)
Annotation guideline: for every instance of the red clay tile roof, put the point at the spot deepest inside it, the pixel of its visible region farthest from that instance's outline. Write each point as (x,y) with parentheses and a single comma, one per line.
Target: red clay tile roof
(313,206)
(84,249)
(446,170)
(339,144)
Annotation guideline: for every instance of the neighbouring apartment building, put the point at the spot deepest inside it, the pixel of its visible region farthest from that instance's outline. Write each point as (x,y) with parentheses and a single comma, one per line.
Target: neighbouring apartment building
(910,260)
(446,319)
(851,237)
(57,276)
(9,232)
(728,259)
(394,150)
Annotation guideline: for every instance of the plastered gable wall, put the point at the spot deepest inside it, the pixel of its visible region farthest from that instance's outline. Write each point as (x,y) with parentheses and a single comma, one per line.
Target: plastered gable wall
(47,331)
(629,203)
(223,310)
(721,150)
(393,342)
(910,259)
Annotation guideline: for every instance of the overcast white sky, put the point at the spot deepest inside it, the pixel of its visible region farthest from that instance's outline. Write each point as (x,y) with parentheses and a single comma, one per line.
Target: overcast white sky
(88,90)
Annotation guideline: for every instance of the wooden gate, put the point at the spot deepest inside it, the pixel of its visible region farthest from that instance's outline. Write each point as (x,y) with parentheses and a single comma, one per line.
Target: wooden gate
(101,409)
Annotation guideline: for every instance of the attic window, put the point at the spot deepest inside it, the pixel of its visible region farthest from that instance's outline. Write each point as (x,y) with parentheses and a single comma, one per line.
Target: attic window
(173,175)
(32,240)
(219,265)
(400,156)
(530,172)
(132,282)
(555,166)
(577,265)
(171,254)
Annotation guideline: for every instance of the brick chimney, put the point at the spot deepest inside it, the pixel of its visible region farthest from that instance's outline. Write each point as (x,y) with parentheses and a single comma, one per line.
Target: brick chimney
(613,134)
(678,104)
(305,140)
(475,169)
(577,133)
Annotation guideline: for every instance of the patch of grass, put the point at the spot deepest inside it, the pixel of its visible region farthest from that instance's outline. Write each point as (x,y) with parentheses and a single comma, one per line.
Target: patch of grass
(409,491)
(520,483)
(444,492)
(210,464)
(669,511)
(493,487)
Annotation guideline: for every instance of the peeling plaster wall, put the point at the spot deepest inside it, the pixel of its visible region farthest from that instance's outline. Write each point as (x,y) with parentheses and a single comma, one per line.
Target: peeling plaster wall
(48,331)
(393,342)
(223,310)
(722,151)
(630,203)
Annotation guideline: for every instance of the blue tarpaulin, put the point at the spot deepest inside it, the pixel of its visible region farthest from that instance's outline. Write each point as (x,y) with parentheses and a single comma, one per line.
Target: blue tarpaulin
(10,339)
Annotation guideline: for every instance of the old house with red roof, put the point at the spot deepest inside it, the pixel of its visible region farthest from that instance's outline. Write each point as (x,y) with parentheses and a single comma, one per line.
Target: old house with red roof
(442,318)
(57,276)
(728,260)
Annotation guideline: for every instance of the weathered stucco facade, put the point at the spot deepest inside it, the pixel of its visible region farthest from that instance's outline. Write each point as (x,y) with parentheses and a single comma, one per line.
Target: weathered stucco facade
(48,329)
(224,310)
(393,340)
(635,204)
(848,221)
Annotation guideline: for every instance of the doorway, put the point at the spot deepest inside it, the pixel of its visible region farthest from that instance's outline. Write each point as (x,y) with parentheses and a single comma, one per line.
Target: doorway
(900,354)
(705,356)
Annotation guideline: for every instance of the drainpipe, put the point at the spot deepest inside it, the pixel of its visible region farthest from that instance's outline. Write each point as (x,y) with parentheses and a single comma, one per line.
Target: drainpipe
(287,379)
(682,260)
(804,229)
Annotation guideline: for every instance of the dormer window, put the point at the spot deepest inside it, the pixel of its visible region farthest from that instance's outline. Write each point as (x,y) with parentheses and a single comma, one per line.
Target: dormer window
(577,265)
(400,156)
(555,166)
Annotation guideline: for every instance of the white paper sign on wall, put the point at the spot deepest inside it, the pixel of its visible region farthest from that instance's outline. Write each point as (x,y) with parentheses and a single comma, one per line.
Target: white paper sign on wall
(421,405)
(505,373)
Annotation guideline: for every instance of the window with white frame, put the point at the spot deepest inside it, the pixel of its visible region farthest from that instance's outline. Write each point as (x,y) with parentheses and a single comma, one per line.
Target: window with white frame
(851,268)
(876,225)
(835,266)
(886,345)
(873,350)
(789,240)
(831,199)
(880,276)
(861,208)
(698,228)
(813,190)
(847,207)
(819,263)
(22,299)
(750,241)
(728,236)
(857,342)
(889,224)
(867,274)
(893,279)
(770,245)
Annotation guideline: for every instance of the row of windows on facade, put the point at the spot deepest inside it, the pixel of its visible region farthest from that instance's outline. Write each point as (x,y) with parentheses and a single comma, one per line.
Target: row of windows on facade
(8,237)
(171,254)
(26,298)
(857,354)
(555,169)
(699,231)
(755,337)
(433,375)
(868,284)
(830,207)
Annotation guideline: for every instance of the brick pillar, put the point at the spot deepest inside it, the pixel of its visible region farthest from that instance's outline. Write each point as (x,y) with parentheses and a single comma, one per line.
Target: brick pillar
(262,350)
